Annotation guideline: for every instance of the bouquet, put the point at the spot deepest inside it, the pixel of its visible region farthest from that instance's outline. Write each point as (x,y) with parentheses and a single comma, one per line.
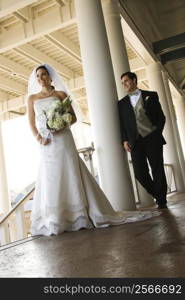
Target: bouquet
(58,115)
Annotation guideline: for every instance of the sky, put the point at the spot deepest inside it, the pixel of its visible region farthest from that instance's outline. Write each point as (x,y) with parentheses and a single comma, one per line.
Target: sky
(21,153)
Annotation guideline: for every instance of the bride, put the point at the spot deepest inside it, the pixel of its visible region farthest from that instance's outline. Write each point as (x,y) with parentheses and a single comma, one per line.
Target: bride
(67,197)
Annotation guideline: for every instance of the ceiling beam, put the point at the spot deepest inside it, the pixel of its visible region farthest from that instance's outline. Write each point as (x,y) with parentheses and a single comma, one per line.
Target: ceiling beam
(65,44)
(39,57)
(169,44)
(8,7)
(76,84)
(61,2)
(177,54)
(136,64)
(17,112)
(12,85)
(141,74)
(37,26)
(20,17)
(170,49)
(140,45)
(13,104)
(14,67)
(3,96)
(182,85)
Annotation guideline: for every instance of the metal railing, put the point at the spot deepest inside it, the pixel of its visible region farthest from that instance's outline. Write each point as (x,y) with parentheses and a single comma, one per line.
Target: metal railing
(13,224)
(87,156)
(170,178)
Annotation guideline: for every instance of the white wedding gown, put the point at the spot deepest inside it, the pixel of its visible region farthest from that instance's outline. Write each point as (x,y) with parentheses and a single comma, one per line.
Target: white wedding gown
(67,197)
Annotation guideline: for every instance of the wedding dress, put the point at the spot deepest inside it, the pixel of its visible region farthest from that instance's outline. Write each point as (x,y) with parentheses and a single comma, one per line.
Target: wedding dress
(67,197)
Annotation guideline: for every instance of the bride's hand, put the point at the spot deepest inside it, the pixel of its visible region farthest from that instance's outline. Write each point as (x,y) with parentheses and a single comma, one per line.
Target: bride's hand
(45,141)
(42,140)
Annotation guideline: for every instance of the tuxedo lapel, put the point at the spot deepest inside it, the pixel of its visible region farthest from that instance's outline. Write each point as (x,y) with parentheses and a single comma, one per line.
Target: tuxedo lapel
(129,105)
(127,99)
(130,111)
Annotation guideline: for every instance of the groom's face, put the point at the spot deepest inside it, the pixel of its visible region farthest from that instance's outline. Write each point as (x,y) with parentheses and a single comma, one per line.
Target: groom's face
(129,85)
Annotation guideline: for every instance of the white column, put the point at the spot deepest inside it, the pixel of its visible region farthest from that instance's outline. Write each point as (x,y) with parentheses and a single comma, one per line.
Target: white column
(102,100)
(116,42)
(4,198)
(180,113)
(120,60)
(146,199)
(174,123)
(156,83)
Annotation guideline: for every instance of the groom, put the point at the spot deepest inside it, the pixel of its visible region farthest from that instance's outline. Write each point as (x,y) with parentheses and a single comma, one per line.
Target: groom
(142,122)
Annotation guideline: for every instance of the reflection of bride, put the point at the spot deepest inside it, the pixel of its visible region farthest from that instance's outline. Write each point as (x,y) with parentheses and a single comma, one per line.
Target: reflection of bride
(67,197)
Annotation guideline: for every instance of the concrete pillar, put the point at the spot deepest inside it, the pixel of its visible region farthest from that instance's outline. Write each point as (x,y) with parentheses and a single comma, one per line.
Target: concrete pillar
(174,124)
(116,42)
(156,83)
(4,197)
(113,167)
(179,104)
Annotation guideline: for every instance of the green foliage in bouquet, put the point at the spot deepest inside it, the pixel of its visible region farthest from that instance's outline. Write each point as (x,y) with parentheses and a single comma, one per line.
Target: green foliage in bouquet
(58,115)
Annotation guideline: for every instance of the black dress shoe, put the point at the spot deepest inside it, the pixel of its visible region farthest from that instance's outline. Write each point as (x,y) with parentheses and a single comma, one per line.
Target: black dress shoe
(162,206)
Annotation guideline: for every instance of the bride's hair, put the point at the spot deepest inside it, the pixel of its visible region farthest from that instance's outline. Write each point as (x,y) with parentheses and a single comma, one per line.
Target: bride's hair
(57,83)
(42,67)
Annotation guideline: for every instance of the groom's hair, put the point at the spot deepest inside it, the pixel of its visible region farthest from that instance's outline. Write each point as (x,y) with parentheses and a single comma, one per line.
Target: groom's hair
(130,75)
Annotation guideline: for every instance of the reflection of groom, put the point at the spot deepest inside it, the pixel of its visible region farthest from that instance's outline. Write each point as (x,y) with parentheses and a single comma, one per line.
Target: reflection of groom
(142,122)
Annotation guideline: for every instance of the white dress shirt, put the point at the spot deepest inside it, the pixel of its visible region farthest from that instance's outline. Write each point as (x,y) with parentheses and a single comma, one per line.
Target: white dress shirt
(134,97)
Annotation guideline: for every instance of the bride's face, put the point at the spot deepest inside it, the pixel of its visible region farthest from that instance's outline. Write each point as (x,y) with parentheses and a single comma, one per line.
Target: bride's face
(43,77)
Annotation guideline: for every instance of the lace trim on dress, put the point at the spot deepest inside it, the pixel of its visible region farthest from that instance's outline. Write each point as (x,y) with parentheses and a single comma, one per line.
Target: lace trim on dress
(72,221)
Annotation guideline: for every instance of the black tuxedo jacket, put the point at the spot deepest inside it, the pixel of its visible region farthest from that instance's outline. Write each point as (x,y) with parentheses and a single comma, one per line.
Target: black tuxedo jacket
(128,121)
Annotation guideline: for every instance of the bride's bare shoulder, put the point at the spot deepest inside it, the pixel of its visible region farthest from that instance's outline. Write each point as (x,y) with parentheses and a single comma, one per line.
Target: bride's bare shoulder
(33,97)
(60,94)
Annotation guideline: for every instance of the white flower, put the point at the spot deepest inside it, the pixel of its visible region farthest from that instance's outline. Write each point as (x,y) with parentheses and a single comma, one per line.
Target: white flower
(147,97)
(58,115)
(67,117)
(56,124)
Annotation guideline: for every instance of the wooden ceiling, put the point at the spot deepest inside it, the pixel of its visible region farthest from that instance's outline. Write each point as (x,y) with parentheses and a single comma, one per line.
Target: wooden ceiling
(33,32)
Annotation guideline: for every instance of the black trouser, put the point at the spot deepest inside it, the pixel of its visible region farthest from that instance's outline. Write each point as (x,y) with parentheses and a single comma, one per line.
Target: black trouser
(150,148)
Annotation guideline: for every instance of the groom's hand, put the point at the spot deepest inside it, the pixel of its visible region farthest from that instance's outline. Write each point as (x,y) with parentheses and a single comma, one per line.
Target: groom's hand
(127,146)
